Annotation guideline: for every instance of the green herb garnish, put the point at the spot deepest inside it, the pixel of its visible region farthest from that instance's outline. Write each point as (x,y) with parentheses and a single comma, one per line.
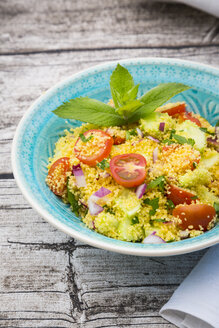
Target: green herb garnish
(171,133)
(158,220)
(108,209)
(169,205)
(84,139)
(154,203)
(206,131)
(194,197)
(130,133)
(73,202)
(158,182)
(103,164)
(182,140)
(135,220)
(128,108)
(168,141)
(194,164)
(216,207)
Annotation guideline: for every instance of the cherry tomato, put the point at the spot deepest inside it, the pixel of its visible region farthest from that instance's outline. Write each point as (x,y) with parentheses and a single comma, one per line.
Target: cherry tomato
(95,149)
(57,178)
(175,110)
(194,215)
(188,116)
(128,170)
(179,195)
(118,140)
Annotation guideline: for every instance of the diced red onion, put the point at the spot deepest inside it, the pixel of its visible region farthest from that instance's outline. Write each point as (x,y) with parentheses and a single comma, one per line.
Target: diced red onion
(214,143)
(161,126)
(94,208)
(93,224)
(102,192)
(155,154)
(167,222)
(153,239)
(139,132)
(153,139)
(79,175)
(82,203)
(140,190)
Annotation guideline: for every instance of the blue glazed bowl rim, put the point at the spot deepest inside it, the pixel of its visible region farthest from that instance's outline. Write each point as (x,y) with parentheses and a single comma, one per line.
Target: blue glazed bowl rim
(109,243)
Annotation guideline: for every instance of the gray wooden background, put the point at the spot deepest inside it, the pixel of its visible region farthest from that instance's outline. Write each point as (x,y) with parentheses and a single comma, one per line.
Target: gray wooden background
(46,278)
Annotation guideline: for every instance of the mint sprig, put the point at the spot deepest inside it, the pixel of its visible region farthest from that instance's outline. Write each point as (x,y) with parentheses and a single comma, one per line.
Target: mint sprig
(128,109)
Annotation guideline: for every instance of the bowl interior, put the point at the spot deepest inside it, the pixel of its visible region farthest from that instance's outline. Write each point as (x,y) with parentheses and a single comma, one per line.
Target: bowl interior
(40,129)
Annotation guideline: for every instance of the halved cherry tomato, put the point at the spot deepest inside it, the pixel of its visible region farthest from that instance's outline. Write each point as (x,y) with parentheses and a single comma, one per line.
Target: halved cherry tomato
(188,116)
(128,170)
(95,149)
(194,215)
(179,195)
(57,178)
(175,110)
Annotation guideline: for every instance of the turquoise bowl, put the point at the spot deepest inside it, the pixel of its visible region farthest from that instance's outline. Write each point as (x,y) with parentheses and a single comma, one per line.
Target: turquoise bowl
(39,129)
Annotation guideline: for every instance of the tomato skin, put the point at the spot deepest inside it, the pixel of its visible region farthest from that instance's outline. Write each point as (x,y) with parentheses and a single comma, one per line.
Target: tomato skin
(57,178)
(188,116)
(102,153)
(128,170)
(194,215)
(179,195)
(175,110)
(118,140)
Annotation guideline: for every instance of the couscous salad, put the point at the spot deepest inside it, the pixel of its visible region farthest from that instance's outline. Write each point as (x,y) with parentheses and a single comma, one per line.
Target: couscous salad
(138,170)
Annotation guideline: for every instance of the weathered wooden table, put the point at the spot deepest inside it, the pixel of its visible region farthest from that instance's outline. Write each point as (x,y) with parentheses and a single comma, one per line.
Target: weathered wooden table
(48,279)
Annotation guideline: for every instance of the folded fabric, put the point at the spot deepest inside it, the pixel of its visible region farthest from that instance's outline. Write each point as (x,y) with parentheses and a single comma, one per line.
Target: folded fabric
(210,6)
(195,304)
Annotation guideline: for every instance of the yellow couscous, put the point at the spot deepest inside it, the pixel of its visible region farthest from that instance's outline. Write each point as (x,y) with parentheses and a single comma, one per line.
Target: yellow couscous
(179,176)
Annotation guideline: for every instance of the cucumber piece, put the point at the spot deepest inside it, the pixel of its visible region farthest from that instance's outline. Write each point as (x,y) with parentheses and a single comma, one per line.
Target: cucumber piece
(189,129)
(210,159)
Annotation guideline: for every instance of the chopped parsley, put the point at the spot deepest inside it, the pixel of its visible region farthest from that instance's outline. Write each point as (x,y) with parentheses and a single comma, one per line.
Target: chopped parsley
(108,209)
(158,182)
(194,164)
(168,141)
(158,220)
(182,140)
(103,164)
(72,200)
(130,133)
(135,220)
(171,133)
(84,139)
(194,197)
(206,131)
(154,203)
(216,207)
(169,205)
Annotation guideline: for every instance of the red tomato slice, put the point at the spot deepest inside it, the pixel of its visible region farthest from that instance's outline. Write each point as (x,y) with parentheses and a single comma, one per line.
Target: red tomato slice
(128,170)
(188,116)
(195,215)
(175,110)
(95,149)
(179,195)
(57,178)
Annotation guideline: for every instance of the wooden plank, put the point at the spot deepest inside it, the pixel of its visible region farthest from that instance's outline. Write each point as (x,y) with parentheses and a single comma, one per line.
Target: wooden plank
(30,26)
(34,288)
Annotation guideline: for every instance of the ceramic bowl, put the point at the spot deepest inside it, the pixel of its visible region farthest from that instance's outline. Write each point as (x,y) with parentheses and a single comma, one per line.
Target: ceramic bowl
(39,129)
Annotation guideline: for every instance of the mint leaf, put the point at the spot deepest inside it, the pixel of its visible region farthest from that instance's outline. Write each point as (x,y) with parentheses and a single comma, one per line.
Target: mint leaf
(157,97)
(158,220)
(73,202)
(83,138)
(131,94)
(158,182)
(129,108)
(89,110)
(169,204)
(121,82)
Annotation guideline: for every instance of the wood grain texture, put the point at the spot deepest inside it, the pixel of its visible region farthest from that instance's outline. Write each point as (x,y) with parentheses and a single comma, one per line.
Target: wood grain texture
(48,279)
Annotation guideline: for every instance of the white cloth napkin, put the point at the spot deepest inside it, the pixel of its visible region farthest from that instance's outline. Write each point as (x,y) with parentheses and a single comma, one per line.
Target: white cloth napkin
(210,6)
(195,304)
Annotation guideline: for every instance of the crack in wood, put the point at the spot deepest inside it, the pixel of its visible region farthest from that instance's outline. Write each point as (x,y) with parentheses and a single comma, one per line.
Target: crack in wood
(52,51)
(67,247)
